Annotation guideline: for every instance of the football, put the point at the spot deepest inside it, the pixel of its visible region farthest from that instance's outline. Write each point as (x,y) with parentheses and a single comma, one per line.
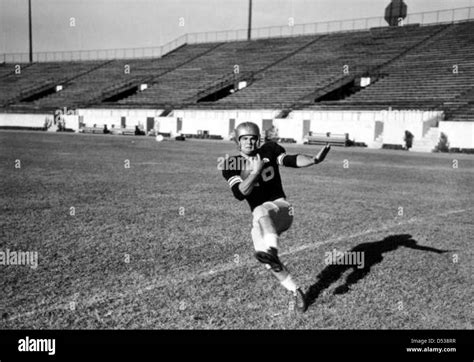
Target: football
(246,168)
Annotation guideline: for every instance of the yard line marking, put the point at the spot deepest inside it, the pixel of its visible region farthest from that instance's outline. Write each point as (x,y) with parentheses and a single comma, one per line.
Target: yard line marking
(250,263)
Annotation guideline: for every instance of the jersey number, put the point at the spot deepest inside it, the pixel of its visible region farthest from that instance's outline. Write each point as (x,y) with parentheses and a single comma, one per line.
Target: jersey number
(268,173)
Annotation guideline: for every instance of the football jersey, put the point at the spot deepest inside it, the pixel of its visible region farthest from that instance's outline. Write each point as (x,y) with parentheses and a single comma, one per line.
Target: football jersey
(268,186)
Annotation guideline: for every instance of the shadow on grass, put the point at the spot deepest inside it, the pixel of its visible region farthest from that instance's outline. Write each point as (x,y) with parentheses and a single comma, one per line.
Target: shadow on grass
(372,255)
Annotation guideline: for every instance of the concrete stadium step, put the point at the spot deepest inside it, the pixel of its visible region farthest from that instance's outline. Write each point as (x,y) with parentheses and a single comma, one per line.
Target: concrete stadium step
(377,143)
(428,142)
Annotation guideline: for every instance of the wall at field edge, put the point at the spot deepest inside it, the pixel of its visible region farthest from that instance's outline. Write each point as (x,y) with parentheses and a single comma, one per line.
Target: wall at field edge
(460,134)
(24,120)
(36,120)
(360,125)
(415,121)
(217,122)
(113,117)
(166,124)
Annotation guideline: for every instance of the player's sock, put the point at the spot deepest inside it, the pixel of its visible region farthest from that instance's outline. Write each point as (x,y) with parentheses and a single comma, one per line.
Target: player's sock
(257,238)
(271,240)
(285,279)
(289,284)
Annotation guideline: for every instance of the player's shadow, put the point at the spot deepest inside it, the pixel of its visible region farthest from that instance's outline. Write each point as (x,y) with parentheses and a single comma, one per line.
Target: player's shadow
(372,255)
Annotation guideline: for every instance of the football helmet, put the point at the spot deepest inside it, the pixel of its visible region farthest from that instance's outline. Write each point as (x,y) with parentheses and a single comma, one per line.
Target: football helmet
(246,129)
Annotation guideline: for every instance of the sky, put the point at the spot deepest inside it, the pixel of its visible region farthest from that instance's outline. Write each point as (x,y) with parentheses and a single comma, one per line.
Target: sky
(64,25)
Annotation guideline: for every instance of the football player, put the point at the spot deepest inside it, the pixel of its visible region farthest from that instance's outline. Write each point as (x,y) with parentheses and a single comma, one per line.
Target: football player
(254,176)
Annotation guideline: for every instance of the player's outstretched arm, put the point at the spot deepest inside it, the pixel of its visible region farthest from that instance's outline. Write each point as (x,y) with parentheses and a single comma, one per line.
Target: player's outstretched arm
(322,154)
(306,160)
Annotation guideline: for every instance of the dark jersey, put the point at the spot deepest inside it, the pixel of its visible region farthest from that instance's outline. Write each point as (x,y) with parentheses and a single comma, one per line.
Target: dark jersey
(268,186)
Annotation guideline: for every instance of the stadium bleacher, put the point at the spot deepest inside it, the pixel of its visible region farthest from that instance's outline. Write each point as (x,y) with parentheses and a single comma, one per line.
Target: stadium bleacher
(94,86)
(15,86)
(324,61)
(186,82)
(427,76)
(408,65)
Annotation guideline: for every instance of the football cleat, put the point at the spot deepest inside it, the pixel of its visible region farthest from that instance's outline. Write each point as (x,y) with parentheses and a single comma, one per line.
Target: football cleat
(271,258)
(300,301)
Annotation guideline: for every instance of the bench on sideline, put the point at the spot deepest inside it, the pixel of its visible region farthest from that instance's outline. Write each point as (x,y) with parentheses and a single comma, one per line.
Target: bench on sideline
(115,131)
(334,139)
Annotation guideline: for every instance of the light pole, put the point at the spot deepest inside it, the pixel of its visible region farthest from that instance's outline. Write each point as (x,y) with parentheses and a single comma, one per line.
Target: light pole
(30,31)
(249,30)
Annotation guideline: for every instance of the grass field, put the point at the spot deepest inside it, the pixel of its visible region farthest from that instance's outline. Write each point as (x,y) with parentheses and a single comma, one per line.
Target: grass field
(163,243)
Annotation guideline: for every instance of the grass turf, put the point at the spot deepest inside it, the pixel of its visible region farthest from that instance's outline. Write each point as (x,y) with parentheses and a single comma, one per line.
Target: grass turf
(163,244)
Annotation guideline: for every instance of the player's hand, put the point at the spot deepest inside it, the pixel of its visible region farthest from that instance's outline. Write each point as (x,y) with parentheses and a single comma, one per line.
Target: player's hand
(256,164)
(322,154)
